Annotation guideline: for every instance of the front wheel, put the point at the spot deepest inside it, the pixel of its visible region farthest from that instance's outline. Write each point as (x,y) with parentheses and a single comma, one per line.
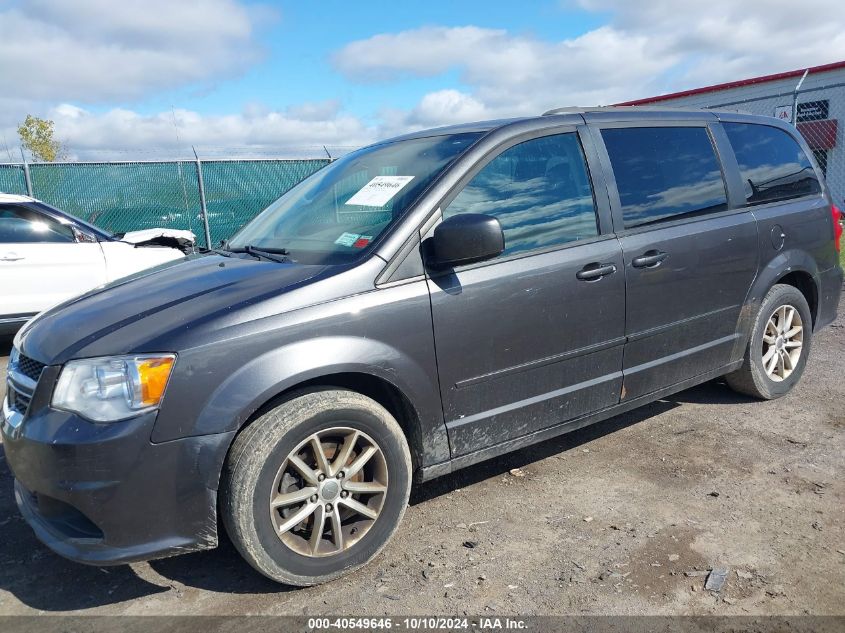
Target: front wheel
(316,487)
(779,345)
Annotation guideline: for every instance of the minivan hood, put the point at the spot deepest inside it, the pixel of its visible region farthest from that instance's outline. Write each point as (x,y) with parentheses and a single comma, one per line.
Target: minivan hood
(148,311)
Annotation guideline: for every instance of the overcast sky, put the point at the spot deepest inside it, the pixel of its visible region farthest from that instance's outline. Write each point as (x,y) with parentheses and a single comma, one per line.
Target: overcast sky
(127,78)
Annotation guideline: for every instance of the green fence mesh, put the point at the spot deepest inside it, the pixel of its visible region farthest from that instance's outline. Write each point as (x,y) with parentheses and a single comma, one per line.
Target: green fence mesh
(235,191)
(12,179)
(123,196)
(129,196)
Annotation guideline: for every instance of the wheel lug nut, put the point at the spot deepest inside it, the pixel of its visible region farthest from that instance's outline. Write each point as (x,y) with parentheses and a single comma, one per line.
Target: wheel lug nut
(344,494)
(328,507)
(341,475)
(314,498)
(321,477)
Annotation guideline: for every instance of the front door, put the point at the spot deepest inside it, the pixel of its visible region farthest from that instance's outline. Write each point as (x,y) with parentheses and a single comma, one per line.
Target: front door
(689,258)
(534,337)
(41,263)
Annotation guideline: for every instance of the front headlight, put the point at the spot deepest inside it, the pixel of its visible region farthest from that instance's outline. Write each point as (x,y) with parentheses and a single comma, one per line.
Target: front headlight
(113,388)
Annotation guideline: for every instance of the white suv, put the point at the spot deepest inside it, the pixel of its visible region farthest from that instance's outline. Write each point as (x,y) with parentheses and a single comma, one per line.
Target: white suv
(48,256)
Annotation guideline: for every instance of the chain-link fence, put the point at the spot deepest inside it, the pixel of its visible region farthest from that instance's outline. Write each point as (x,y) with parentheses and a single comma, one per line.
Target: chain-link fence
(212,198)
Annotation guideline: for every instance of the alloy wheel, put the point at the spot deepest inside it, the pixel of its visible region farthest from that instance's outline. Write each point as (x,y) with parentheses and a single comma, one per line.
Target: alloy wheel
(328,492)
(783,340)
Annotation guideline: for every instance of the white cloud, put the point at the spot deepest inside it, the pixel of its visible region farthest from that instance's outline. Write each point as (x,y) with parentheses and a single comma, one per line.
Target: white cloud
(444,107)
(423,52)
(725,40)
(100,50)
(95,52)
(508,75)
(121,133)
(647,48)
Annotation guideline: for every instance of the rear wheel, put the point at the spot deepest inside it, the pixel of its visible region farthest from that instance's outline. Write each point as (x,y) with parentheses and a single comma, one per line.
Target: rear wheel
(316,487)
(778,347)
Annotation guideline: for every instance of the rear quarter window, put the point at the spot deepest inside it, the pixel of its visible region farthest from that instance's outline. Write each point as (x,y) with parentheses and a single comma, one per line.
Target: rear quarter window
(771,162)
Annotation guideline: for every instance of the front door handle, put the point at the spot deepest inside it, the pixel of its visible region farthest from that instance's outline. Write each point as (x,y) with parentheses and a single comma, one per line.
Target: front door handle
(649,259)
(10,257)
(595,271)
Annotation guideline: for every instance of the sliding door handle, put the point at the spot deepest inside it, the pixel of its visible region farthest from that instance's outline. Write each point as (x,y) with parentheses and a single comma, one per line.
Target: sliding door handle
(649,259)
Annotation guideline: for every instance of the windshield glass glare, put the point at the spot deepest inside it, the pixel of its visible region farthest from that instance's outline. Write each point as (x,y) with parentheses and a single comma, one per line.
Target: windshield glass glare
(334,215)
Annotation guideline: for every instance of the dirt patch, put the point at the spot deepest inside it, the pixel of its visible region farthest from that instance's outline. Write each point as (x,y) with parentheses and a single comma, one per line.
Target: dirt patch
(667,563)
(837,422)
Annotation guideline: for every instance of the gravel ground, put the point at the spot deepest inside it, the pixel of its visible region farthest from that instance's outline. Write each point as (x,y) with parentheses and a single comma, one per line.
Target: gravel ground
(625,517)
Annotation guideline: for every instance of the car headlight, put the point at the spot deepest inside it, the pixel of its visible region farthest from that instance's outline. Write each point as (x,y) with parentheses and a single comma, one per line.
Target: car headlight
(113,388)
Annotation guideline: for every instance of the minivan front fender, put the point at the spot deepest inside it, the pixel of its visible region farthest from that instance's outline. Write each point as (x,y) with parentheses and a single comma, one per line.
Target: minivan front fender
(244,391)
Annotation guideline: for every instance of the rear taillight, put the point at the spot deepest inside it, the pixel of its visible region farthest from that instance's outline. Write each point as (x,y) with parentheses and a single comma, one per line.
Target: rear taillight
(837,225)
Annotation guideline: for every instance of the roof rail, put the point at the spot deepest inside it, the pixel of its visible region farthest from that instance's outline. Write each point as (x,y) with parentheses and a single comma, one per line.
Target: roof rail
(566,110)
(579,109)
(619,108)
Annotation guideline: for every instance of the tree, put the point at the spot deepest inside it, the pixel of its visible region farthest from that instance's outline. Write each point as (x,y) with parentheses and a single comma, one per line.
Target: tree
(37,136)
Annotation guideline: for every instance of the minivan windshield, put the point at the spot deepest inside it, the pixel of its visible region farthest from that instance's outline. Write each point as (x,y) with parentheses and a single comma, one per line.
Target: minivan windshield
(333,216)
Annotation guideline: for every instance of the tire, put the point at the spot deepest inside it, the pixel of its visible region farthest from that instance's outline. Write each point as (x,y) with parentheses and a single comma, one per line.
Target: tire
(262,463)
(752,378)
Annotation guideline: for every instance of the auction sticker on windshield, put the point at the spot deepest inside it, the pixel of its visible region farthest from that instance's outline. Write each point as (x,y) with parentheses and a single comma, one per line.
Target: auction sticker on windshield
(379,191)
(347,239)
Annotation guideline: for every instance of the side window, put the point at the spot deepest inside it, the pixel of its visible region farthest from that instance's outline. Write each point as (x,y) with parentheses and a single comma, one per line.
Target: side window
(664,172)
(539,191)
(19,225)
(772,164)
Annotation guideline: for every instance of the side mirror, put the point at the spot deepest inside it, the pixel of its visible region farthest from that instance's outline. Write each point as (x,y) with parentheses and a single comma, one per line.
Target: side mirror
(465,239)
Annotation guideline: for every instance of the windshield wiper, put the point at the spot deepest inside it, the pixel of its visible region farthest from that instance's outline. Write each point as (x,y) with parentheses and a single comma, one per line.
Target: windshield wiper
(279,255)
(216,251)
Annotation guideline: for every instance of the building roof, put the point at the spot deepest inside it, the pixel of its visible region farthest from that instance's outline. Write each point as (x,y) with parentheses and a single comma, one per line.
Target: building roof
(736,84)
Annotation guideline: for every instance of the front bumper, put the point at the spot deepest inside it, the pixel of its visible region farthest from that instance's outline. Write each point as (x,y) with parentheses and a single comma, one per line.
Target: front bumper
(104,493)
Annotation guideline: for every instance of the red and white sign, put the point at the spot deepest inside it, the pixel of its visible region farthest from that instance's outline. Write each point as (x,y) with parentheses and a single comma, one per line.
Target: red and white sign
(784,113)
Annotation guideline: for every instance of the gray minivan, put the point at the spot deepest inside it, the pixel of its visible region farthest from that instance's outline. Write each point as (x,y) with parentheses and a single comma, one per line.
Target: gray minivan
(417,306)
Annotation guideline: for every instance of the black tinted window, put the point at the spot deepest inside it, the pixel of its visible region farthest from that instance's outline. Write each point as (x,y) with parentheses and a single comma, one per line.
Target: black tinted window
(19,225)
(772,164)
(663,172)
(539,190)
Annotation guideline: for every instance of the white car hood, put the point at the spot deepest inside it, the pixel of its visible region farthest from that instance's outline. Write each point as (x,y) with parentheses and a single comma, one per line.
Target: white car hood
(139,237)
